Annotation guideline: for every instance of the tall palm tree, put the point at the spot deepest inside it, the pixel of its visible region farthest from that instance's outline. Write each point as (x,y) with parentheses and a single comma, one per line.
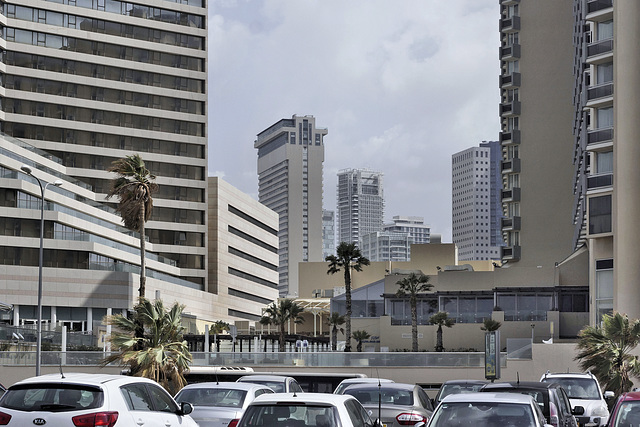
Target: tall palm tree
(441,319)
(218,327)
(161,354)
(134,186)
(279,314)
(490,325)
(347,257)
(606,352)
(335,321)
(411,286)
(360,336)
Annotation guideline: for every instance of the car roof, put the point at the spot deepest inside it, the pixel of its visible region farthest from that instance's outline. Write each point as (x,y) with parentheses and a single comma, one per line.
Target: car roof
(534,385)
(386,386)
(226,385)
(366,380)
(567,375)
(632,395)
(480,397)
(465,382)
(81,378)
(300,398)
(248,378)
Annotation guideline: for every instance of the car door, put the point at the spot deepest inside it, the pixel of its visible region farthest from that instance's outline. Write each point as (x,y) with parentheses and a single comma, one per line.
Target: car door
(141,407)
(565,408)
(165,408)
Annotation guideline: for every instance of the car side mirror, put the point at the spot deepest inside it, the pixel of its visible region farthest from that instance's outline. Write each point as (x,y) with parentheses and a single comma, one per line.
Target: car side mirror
(609,395)
(186,408)
(577,410)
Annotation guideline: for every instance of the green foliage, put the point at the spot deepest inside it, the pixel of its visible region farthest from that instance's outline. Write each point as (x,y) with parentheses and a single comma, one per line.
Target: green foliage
(411,286)
(606,352)
(490,325)
(360,336)
(279,314)
(335,320)
(160,353)
(441,319)
(218,327)
(347,257)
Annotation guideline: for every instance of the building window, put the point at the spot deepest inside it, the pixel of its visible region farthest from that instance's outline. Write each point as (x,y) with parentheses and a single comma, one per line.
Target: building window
(604,288)
(600,214)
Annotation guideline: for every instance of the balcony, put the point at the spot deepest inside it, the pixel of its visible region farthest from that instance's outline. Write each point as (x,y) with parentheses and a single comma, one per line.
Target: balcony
(510,25)
(597,5)
(511,166)
(508,109)
(510,53)
(599,10)
(511,253)
(599,181)
(599,48)
(599,94)
(512,137)
(599,136)
(510,81)
(511,224)
(509,2)
(511,195)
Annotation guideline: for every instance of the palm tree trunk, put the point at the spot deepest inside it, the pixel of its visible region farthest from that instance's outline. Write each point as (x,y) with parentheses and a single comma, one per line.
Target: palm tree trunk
(347,290)
(414,325)
(439,344)
(281,338)
(334,338)
(143,273)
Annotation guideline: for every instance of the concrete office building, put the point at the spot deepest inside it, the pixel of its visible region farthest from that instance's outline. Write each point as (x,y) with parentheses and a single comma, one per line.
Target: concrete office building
(360,203)
(536,81)
(328,233)
(290,163)
(476,202)
(91,83)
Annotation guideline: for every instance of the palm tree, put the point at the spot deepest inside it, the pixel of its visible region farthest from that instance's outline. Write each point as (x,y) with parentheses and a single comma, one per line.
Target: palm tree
(134,186)
(490,325)
(347,256)
(218,327)
(606,351)
(335,321)
(441,319)
(160,353)
(360,336)
(279,314)
(411,286)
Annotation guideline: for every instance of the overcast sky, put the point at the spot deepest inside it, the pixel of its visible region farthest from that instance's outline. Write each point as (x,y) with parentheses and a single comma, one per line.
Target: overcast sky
(401,85)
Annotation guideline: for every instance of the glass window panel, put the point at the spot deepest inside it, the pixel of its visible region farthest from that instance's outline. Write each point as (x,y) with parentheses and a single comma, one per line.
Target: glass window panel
(604,162)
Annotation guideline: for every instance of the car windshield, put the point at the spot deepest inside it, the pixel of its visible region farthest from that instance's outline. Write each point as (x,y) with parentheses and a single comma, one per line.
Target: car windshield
(448,389)
(52,397)
(279,415)
(370,396)
(628,414)
(578,388)
(276,386)
(223,397)
(486,414)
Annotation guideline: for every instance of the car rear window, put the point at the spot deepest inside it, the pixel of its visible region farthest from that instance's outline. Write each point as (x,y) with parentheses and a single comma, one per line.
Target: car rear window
(52,397)
(224,397)
(384,396)
(290,415)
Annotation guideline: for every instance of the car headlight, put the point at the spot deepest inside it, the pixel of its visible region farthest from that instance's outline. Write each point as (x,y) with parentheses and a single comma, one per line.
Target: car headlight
(600,411)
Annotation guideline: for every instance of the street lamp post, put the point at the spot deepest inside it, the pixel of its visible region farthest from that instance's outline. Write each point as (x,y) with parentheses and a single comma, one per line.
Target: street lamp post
(26,169)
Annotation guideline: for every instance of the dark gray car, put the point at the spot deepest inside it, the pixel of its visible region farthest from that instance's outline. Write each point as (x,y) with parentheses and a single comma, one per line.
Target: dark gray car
(400,404)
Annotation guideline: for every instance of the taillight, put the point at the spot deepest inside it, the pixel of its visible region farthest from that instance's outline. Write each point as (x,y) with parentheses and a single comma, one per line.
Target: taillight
(408,419)
(106,419)
(553,414)
(233,423)
(4,419)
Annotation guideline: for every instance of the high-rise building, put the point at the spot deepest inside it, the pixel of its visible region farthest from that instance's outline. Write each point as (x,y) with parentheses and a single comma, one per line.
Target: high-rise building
(90,83)
(290,161)
(328,233)
(360,202)
(476,212)
(386,246)
(414,226)
(536,113)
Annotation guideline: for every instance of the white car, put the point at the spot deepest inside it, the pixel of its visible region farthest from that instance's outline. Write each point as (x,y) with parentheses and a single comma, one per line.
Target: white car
(220,404)
(350,381)
(488,410)
(583,390)
(305,410)
(278,383)
(87,400)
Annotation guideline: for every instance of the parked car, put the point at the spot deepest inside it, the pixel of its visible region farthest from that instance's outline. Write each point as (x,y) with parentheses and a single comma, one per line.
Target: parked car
(394,404)
(457,386)
(305,410)
(278,383)
(220,404)
(2,389)
(487,410)
(551,398)
(626,410)
(351,381)
(91,400)
(583,389)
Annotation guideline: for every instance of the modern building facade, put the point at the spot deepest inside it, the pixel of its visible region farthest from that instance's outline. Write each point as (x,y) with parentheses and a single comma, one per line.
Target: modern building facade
(290,168)
(386,246)
(476,203)
(92,82)
(360,204)
(328,233)
(414,226)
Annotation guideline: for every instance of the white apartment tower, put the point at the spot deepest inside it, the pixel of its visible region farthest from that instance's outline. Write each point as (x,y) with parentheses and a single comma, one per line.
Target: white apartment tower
(328,233)
(290,160)
(360,202)
(414,226)
(473,191)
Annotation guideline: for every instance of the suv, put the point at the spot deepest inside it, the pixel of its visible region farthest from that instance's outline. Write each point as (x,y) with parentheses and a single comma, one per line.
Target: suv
(583,389)
(550,397)
(91,400)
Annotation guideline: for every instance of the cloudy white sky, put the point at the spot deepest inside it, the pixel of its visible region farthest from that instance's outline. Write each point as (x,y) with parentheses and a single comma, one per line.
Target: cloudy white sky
(401,85)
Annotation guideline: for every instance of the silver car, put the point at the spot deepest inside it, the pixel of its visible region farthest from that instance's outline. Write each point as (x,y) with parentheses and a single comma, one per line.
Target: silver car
(278,383)
(220,404)
(394,404)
